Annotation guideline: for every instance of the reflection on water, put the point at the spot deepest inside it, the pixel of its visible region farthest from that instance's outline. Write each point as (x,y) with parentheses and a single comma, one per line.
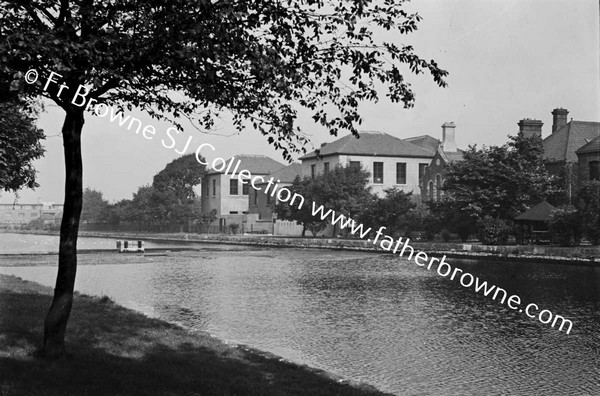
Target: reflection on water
(372,317)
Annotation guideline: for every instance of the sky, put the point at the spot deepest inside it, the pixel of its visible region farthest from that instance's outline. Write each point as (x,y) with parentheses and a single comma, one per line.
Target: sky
(507,59)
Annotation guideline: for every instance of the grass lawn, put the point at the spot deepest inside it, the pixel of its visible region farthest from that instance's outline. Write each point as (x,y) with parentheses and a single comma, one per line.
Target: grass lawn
(116,351)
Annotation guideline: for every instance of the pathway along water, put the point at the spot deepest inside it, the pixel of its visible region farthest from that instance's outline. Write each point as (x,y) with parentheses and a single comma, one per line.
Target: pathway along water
(371,317)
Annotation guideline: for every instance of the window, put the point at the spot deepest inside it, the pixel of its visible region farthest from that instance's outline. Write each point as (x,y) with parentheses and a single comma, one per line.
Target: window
(313,171)
(355,164)
(400,172)
(438,187)
(430,189)
(246,188)
(214,187)
(378,172)
(255,197)
(326,167)
(233,212)
(594,170)
(422,170)
(268,199)
(233,187)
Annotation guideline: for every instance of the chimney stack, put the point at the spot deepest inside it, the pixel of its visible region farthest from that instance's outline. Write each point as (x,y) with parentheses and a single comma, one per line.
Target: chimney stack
(530,127)
(448,138)
(559,119)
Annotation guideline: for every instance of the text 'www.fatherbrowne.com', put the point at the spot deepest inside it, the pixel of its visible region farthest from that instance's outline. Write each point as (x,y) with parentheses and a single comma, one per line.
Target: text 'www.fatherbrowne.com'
(443,268)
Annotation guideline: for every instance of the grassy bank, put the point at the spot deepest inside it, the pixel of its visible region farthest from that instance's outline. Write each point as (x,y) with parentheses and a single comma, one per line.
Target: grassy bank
(116,351)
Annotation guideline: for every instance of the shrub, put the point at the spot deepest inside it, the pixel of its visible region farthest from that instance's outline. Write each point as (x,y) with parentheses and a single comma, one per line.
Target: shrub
(234,228)
(492,231)
(565,226)
(446,236)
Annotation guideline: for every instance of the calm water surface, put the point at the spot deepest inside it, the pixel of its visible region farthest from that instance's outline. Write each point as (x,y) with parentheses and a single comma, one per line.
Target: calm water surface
(370,317)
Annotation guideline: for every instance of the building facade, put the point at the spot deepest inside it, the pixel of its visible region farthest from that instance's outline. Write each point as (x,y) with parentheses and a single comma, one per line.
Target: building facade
(18,215)
(226,193)
(391,162)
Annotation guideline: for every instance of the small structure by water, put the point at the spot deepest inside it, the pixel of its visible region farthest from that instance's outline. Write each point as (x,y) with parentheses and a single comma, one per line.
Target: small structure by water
(130,246)
(533,224)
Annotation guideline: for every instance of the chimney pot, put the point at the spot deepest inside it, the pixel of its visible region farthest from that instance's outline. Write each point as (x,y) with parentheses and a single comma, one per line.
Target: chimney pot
(448,138)
(529,127)
(559,119)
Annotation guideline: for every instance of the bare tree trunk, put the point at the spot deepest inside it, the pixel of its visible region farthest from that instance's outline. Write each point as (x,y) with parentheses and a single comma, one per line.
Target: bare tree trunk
(55,325)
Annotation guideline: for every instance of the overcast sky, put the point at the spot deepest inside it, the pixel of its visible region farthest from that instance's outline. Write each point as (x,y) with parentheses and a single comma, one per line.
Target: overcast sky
(507,59)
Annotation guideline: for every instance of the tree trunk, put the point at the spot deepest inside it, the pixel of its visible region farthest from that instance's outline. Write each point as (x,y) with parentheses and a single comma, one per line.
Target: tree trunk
(55,325)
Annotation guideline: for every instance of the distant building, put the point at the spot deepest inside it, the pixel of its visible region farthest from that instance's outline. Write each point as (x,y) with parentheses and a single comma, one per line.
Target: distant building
(228,195)
(588,161)
(392,162)
(17,215)
(435,173)
(261,217)
(565,146)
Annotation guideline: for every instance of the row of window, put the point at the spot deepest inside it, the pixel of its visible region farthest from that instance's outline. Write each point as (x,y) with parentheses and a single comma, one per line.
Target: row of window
(378,171)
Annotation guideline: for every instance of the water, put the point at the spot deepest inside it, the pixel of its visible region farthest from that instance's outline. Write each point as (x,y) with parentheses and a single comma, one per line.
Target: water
(370,317)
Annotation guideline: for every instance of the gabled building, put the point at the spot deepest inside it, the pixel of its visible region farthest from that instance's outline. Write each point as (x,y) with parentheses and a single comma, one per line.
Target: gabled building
(588,161)
(446,152)
(228,195)
(392,162)
(562,146)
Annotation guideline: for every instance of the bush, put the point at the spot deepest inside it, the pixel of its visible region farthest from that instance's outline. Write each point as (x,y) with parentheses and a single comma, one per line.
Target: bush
(234,228)
(492,231)
(446,236)
(589,210)
(565,226)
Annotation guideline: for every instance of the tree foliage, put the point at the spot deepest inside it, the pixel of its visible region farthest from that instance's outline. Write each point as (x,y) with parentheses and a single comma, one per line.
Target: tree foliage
(343,189)
(19,141)
(303,215)
(499,181)
(392,211)
(589,209)
(95,207)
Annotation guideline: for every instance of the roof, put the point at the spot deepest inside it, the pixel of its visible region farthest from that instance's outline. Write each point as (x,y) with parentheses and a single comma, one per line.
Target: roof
(425,141)
(450,156)
(591,147)
(372,144)
(540,212)
(287,174)
(255,164)
(562,144)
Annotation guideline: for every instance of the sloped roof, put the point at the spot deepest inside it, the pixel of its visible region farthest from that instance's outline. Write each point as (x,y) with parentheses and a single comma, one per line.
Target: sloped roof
(450,156)
(591,147)
(540,212)
(372,144)
(287,174)
(425,141)
(255,164)
(562,144)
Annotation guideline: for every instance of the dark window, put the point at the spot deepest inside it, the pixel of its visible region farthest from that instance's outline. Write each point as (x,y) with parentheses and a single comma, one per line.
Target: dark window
(422,170)
(233,212)
(214,187)
(313,171)
(400,172)
(594,170)
(378,172)
(326,167)
(255,197)
(430,189)
(233,187)
(355,164)
(268,199)
(438,187)
(246,188)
